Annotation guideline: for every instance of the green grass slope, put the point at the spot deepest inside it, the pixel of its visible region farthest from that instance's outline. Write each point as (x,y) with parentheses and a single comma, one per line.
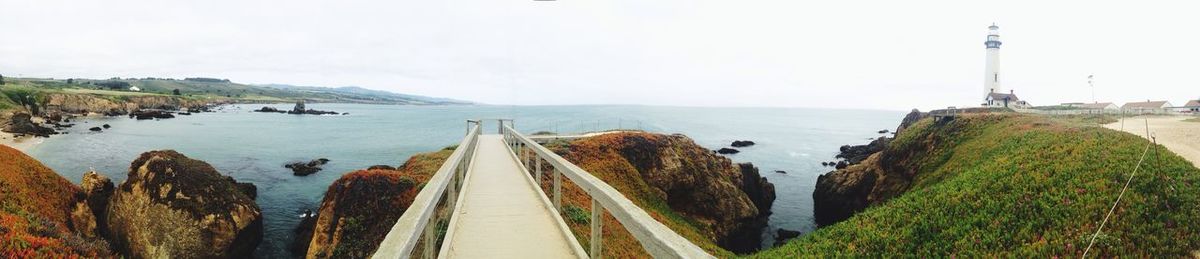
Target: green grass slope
(1023,186)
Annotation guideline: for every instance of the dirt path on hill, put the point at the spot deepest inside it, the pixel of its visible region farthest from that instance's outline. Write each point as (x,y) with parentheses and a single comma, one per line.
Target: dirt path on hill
(1179,136)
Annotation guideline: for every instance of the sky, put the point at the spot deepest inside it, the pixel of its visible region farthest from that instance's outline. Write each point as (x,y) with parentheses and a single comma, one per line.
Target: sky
(894,55)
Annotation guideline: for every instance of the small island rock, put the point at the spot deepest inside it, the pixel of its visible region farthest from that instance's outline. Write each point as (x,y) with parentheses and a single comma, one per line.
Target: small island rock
(742,143)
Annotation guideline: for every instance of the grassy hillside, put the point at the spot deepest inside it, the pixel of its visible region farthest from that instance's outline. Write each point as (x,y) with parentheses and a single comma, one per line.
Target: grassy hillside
(1023,186)
(32,223)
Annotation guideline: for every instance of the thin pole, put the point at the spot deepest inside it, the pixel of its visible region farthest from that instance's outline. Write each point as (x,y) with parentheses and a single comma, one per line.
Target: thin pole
(597,228)
(557,190)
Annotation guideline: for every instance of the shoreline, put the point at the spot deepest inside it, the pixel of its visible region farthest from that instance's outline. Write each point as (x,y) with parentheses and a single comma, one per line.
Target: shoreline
(23,144)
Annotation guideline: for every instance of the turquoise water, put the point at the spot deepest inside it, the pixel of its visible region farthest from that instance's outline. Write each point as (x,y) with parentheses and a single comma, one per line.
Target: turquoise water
(253,147)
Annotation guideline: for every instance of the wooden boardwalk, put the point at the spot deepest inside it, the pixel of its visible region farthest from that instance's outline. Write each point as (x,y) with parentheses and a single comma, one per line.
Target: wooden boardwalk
(502,214)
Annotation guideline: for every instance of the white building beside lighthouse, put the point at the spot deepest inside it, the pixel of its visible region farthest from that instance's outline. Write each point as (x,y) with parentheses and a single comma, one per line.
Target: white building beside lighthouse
(993,94)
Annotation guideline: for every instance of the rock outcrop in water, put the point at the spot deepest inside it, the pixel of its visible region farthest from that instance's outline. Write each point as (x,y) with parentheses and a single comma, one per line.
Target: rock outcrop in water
(22,123)
(731,201)
(298,110)
(306,168)
(150,114)
(174,206)
(741,143)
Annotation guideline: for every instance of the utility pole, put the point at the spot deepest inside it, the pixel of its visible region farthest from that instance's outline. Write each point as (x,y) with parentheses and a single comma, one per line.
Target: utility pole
(1093,88)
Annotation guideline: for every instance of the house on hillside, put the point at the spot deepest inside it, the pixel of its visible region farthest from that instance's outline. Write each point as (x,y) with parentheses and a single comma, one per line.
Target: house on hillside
(1003,100)
(135,89)
(1148,107)
(1192,106)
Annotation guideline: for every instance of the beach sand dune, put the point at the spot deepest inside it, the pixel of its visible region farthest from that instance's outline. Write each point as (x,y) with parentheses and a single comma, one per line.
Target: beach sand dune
(1179,136)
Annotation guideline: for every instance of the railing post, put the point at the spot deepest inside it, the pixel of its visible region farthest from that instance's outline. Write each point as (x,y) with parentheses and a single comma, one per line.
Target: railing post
(597,228)
(524,158)
(557,190)
(537,171)
(429,242)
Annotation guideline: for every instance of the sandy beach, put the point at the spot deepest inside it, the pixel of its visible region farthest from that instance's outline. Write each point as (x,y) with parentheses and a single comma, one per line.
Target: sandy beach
(1179,136)
(22,143)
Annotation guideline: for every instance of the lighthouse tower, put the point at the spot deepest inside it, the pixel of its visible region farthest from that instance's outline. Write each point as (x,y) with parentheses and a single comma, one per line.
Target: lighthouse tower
(991,76)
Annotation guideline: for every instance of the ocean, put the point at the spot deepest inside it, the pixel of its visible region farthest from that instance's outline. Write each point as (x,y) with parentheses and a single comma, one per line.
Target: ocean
(253,147)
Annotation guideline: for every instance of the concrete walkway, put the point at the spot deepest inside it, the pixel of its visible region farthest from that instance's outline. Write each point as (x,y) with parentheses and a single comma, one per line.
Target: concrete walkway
(503,215)
(1179,136)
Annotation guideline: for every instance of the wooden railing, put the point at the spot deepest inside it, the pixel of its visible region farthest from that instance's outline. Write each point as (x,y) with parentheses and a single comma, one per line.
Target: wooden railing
(657,239)
(415,225)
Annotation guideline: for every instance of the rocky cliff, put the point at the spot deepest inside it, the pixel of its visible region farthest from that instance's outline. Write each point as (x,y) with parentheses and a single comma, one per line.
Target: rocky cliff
(174,206)
(84,103)
(360,207)
(43,215)
(707,197)
(878,171)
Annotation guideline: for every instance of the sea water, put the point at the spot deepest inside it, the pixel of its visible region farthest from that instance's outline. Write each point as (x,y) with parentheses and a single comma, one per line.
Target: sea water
(253,147)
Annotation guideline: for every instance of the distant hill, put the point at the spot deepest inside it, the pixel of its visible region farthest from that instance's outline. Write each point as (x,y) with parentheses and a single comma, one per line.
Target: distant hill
(208,89)
(364,93)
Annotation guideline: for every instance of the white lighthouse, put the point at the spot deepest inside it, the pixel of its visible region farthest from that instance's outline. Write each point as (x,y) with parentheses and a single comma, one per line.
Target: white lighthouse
(991,75)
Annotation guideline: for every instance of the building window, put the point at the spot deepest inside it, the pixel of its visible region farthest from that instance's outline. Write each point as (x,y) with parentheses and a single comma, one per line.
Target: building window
(996,77)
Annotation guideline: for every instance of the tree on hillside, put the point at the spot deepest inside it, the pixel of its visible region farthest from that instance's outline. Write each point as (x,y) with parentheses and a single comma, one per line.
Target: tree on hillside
(70,81)
(175,92)
(1,79)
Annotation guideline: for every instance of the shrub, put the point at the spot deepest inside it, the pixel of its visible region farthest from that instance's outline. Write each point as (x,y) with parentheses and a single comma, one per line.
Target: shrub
(577,214)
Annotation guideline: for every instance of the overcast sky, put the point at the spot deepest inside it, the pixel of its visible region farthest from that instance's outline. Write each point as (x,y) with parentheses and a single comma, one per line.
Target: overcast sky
(837,54)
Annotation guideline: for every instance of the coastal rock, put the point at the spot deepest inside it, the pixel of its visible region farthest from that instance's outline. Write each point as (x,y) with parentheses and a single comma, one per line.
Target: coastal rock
(269,109)
(855,154)
(353,207)
(43,213)
(95,129)
(727,151)
(306,168)
(780,172)
(23,123)
(299,109)
(54,116)
(97,189)
(106,126)
(910,118)
(884,173)
(114,112)
(783,235)
(732,200)
(383,167)
(83,220)
(303,233)
(742,143)
(150,114)
(84,103)
(249,189)
(360,207)
(761,192)
(174,206)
